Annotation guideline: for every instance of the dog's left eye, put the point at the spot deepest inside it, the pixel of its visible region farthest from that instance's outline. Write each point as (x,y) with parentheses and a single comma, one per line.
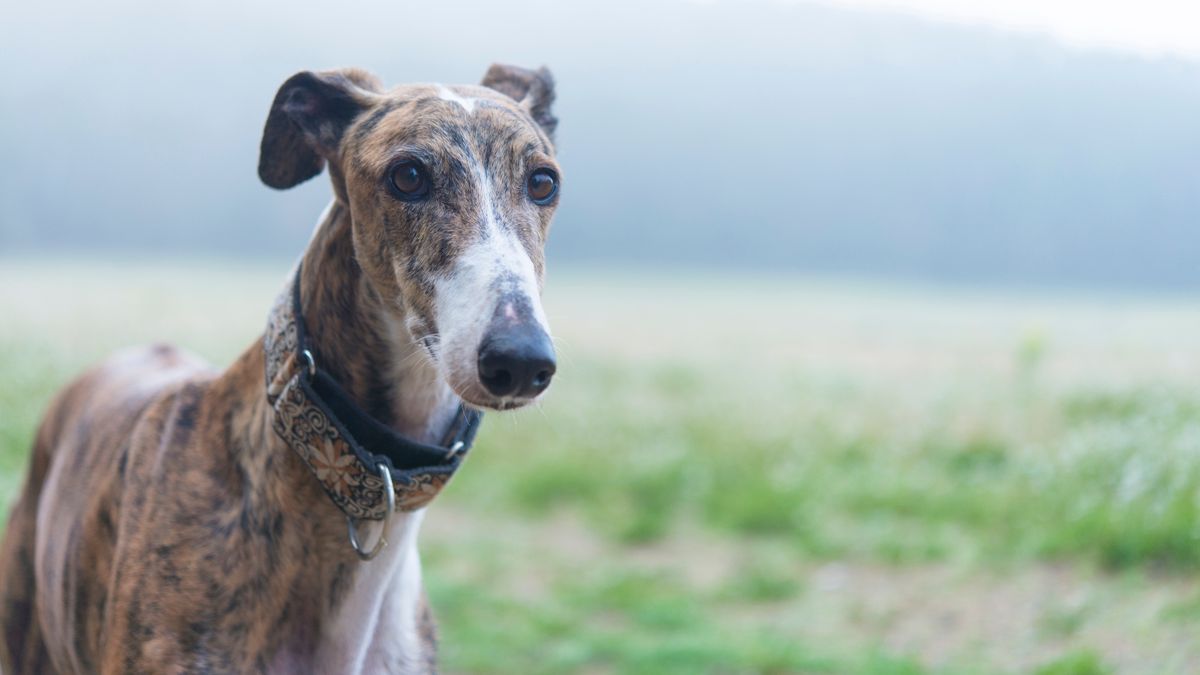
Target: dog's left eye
(408,181)
(542,185)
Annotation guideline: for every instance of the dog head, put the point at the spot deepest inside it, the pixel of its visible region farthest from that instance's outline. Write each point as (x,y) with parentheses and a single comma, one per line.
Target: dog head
(450,190)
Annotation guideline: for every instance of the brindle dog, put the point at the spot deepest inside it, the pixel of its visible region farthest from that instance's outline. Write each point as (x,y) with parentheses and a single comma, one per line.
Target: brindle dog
(164,527)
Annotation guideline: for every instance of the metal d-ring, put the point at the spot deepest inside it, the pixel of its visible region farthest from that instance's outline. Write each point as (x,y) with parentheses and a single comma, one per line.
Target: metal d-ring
(386,475)
(455,449)
(312,363)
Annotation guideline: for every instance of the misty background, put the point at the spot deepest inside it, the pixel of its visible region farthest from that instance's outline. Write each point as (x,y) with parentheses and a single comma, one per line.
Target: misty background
(741,135)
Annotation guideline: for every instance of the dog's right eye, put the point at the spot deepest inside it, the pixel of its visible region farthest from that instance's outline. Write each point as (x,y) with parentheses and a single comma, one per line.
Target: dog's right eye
(408,181)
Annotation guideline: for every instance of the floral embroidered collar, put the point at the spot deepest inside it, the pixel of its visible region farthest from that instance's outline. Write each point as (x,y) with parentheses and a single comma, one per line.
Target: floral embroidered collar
(366,468)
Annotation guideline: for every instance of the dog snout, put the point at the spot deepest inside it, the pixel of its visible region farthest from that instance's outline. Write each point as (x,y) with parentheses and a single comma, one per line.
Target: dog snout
(517,361)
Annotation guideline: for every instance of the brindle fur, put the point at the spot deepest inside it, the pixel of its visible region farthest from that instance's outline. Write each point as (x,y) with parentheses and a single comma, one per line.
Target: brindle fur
(163,527)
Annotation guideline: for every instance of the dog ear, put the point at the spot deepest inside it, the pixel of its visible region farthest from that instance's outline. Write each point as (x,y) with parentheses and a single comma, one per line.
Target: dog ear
(310,113)
(532,89)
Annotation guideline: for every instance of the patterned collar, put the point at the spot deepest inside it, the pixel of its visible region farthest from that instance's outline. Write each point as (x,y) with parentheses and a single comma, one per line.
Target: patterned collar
(349,451)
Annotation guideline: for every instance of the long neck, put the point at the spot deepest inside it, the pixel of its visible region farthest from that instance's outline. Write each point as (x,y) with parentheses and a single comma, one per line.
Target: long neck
(362,344)
(358,340)
(361,340)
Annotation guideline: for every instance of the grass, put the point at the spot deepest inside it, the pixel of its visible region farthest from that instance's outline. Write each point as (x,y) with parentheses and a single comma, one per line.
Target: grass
(1078,663)
(764,475)
(1115,485)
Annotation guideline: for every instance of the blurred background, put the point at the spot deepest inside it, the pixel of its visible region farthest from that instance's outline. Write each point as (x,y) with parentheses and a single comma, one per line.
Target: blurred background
(878,327)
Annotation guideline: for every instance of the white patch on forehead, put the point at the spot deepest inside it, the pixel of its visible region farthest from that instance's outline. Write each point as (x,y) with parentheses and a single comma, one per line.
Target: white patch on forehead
(445,94)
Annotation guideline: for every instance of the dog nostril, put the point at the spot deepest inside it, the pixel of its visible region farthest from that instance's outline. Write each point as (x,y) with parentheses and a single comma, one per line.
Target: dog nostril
(542,379)
(498,382)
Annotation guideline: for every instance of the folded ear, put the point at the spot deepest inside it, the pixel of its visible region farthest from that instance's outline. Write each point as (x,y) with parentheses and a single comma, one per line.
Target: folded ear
(304,129)
(532,89)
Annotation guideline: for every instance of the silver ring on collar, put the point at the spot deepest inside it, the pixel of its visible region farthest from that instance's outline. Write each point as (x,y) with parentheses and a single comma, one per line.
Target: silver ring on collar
(312,363)
(390,490)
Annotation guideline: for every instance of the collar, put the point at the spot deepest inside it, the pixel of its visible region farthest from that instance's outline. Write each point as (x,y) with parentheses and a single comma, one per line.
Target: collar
(352,454)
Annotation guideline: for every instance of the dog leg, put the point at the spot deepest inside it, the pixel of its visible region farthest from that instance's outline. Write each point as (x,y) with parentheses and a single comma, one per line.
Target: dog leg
(23,650)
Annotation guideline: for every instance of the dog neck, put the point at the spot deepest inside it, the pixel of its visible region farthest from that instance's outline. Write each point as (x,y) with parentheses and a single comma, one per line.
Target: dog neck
(362,340)
(372,610)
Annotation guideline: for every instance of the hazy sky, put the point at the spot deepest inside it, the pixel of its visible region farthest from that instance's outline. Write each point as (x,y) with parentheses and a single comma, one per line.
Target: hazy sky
(1155,27)
(827,137)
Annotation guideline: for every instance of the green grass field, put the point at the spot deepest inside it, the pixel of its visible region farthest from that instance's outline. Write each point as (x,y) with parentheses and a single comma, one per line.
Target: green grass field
(764,475)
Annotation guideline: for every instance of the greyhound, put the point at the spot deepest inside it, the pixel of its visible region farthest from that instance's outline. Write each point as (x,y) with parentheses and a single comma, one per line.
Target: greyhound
(263,518)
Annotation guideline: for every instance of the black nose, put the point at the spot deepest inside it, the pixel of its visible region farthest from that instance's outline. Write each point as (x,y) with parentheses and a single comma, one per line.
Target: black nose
(517,362)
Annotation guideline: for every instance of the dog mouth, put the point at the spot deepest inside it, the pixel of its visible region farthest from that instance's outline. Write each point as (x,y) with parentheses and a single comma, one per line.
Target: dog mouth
(473,395)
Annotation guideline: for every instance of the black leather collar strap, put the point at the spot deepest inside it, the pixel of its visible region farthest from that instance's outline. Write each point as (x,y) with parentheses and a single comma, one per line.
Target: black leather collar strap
(339,441)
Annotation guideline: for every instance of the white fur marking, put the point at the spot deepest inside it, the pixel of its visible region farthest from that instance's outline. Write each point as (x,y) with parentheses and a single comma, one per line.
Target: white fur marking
(423,405)
(376,623)
(445,94)
(467,300)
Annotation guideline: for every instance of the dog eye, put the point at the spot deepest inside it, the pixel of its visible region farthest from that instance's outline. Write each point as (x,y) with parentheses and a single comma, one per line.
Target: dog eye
(408,181)
(542,185)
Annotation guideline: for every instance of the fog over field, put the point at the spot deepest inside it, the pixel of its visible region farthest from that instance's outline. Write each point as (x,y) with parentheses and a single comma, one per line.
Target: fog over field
(752,135)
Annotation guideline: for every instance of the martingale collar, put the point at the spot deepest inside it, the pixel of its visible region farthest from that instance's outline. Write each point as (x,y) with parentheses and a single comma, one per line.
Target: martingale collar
(348,450)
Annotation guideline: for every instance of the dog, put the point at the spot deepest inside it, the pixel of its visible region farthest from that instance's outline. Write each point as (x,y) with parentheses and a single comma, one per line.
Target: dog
(180,519)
